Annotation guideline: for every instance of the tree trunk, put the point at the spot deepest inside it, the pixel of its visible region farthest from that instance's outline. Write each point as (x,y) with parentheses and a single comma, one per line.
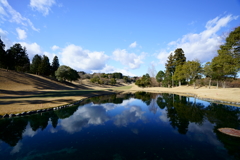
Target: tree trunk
(194,85)
(209,83)
(217,84)
(179,83)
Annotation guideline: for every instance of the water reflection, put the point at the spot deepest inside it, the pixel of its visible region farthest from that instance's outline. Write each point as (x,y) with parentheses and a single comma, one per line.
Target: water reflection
(176,115)
(87,115)
(130,115)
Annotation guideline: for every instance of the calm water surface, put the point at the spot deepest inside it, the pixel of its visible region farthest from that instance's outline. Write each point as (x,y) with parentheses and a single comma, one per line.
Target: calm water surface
(121,127)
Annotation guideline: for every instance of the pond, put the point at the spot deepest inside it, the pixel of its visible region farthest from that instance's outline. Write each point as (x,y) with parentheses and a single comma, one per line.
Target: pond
(125,126)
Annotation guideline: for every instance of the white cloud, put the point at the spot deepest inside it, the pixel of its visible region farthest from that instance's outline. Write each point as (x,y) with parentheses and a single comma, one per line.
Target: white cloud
(79,59)
(163,56)
(131,60)
(16,148)
(55,47)
(112,69)
(203,45)
(32,49)
(16,17)
(6,41)
(133,114)
(43,6)
(163,116)
(29,132)
(21,34)
(49,55)
(89,114)
(133,45)
(206,132)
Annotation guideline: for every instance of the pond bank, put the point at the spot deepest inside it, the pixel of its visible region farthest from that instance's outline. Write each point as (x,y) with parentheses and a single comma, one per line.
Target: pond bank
(228,96)
(13,105)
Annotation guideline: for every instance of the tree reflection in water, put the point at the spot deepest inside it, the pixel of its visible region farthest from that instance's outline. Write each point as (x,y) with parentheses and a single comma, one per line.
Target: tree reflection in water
(181,112)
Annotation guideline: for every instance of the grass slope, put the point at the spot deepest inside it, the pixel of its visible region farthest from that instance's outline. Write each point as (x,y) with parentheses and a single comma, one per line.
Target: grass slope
(24,92)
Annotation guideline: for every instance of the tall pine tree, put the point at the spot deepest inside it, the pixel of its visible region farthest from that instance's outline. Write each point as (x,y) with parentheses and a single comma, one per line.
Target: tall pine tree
(170,64)
(45,66)
(179,57)
(17,58)
(179,60)
(55,65)
(36,63)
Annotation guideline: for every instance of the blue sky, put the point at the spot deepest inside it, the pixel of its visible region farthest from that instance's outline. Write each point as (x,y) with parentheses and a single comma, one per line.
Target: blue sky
(134,37)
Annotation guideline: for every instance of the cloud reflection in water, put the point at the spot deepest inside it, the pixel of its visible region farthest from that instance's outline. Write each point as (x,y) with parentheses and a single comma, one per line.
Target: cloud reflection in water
(95,114)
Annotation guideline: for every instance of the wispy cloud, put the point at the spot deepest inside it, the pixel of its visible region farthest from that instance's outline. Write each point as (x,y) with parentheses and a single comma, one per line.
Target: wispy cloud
(43,6)
(133,45)
(203,45)
(15,17)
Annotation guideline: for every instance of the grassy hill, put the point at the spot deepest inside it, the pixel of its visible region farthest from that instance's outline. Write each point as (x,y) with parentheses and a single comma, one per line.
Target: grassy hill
(15,81)
(24,92)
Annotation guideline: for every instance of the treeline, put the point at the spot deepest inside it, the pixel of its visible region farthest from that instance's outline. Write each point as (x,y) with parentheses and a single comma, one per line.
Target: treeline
(16,58)
(107,78)
(224,67)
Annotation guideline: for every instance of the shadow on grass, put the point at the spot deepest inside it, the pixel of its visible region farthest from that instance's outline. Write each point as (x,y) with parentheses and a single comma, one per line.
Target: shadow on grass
(24,102)
(48,94)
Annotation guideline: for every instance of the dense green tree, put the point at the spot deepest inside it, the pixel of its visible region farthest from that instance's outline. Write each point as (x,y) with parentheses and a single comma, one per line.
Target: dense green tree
(170,66)
(113,81)
(192,70)
(17,58)
(223,67)
(232,46)
(117,75)
(179,57)
(55,65)
(95,79)
(145,81)
(160,77)
(179,74)
(64,73)
(36,63)
(179,60)
(45,68)
(126,79)
(208,72)
(2,54)
(227,63)
(167,80)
